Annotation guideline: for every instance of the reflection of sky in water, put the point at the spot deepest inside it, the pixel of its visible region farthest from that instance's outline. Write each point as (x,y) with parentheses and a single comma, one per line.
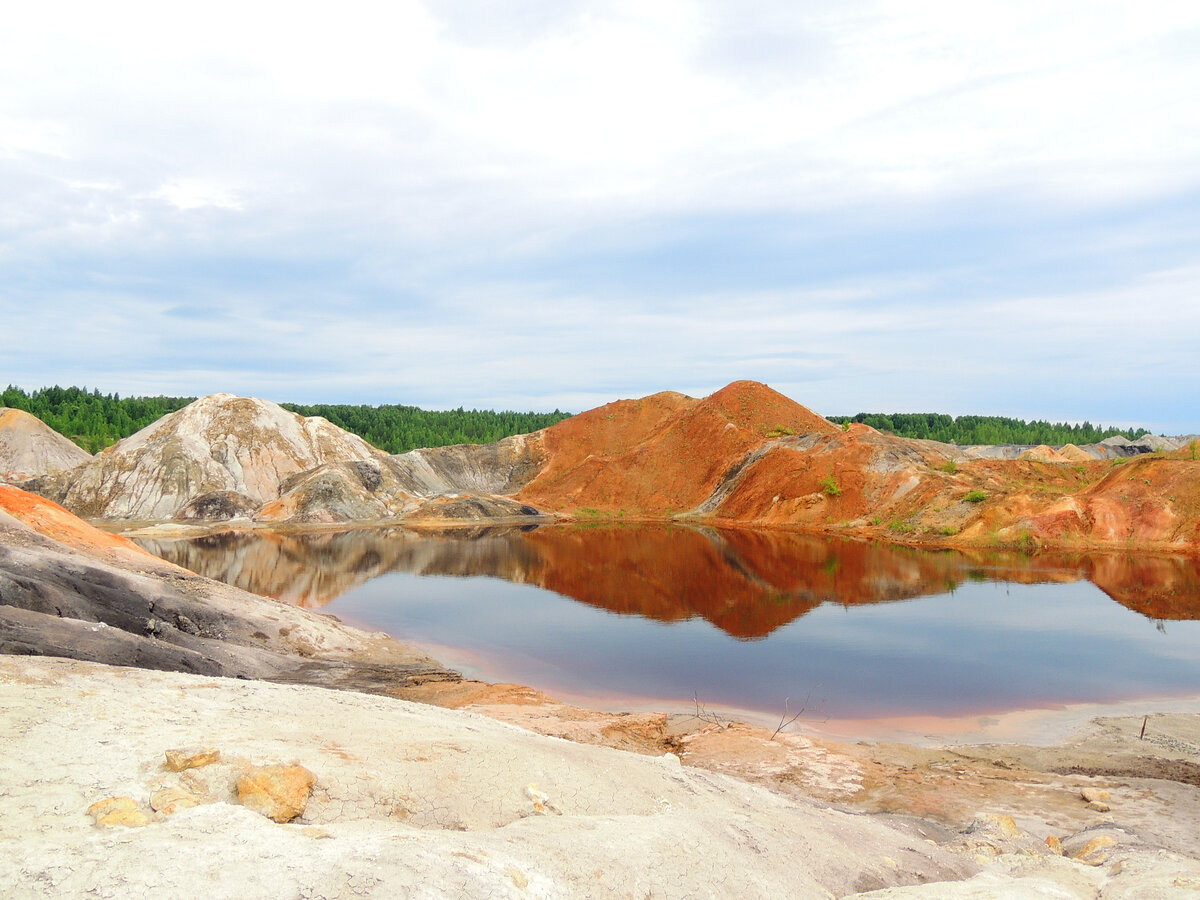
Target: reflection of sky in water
(987,647)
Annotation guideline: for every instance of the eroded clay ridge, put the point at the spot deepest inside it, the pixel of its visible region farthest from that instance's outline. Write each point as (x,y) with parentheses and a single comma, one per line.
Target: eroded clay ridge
(745,455)
(224,458)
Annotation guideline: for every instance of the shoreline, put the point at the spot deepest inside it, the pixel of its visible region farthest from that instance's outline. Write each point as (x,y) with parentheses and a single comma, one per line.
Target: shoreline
(1035,725)
(931,541)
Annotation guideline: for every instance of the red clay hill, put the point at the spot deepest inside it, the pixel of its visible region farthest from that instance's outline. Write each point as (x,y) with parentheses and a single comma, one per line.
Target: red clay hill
(663,454)
(747,455)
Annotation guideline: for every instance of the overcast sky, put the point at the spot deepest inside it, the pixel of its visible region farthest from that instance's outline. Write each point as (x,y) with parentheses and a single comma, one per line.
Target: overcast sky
(879,206)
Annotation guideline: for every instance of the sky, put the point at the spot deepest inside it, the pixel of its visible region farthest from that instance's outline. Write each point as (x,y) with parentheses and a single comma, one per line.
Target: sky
(870,206)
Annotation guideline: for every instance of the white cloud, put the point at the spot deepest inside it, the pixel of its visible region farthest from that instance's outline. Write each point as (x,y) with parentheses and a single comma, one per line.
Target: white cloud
(620,108)
(416,150)
(196,194)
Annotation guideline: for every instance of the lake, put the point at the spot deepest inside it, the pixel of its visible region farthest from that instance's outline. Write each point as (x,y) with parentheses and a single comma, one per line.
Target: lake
(662,616)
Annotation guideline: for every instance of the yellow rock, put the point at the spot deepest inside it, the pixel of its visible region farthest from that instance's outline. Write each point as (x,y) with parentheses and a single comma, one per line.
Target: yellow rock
(518,878)
(169,801)
(1093,853)
(1005,824)
(1095,795)
(178,760)
(278,792)
(118,811)
(1055,845)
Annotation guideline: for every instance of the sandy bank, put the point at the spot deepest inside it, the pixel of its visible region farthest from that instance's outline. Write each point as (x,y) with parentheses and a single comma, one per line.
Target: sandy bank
(409,800)
(415,801)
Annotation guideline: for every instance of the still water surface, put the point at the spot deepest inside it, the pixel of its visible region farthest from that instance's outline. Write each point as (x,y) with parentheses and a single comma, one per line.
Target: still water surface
(745,619)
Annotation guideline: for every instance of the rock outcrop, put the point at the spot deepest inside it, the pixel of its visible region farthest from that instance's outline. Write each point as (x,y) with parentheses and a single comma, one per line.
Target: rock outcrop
(219,444)
(30,448)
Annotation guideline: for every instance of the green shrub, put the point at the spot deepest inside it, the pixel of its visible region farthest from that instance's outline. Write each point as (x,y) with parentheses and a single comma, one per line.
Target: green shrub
(950,468)
(830,486)
(975,496)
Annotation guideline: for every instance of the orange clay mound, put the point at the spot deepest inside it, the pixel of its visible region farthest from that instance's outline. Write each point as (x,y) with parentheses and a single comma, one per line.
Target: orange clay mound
(51,520)
(750,456)
(662,454)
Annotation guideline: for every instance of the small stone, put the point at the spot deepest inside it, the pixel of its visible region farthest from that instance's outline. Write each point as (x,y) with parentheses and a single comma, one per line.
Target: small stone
(1055,845)
(178,760)
(278,792)
(169,801)
(1003,825)
(1094,852)
(1095,795)
(541,801)
(1099,806)
(118,811)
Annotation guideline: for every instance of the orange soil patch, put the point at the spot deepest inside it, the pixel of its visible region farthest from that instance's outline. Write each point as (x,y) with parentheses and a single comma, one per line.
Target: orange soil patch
(12,418)
(52,521)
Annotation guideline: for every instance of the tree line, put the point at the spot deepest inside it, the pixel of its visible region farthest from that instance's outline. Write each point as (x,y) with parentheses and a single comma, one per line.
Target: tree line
(94,420)
(985,429)
(91,419)
(398,429)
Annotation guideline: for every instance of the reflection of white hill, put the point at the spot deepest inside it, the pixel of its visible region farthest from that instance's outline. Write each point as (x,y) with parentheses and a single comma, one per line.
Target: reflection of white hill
(311,569)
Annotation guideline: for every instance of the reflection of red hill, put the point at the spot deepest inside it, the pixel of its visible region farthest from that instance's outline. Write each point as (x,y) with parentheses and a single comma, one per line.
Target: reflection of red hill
(663,574)
(1158,587)
(747,583)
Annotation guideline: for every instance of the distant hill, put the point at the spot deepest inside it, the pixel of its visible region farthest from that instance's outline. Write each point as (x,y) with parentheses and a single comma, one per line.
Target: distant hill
(973,430)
